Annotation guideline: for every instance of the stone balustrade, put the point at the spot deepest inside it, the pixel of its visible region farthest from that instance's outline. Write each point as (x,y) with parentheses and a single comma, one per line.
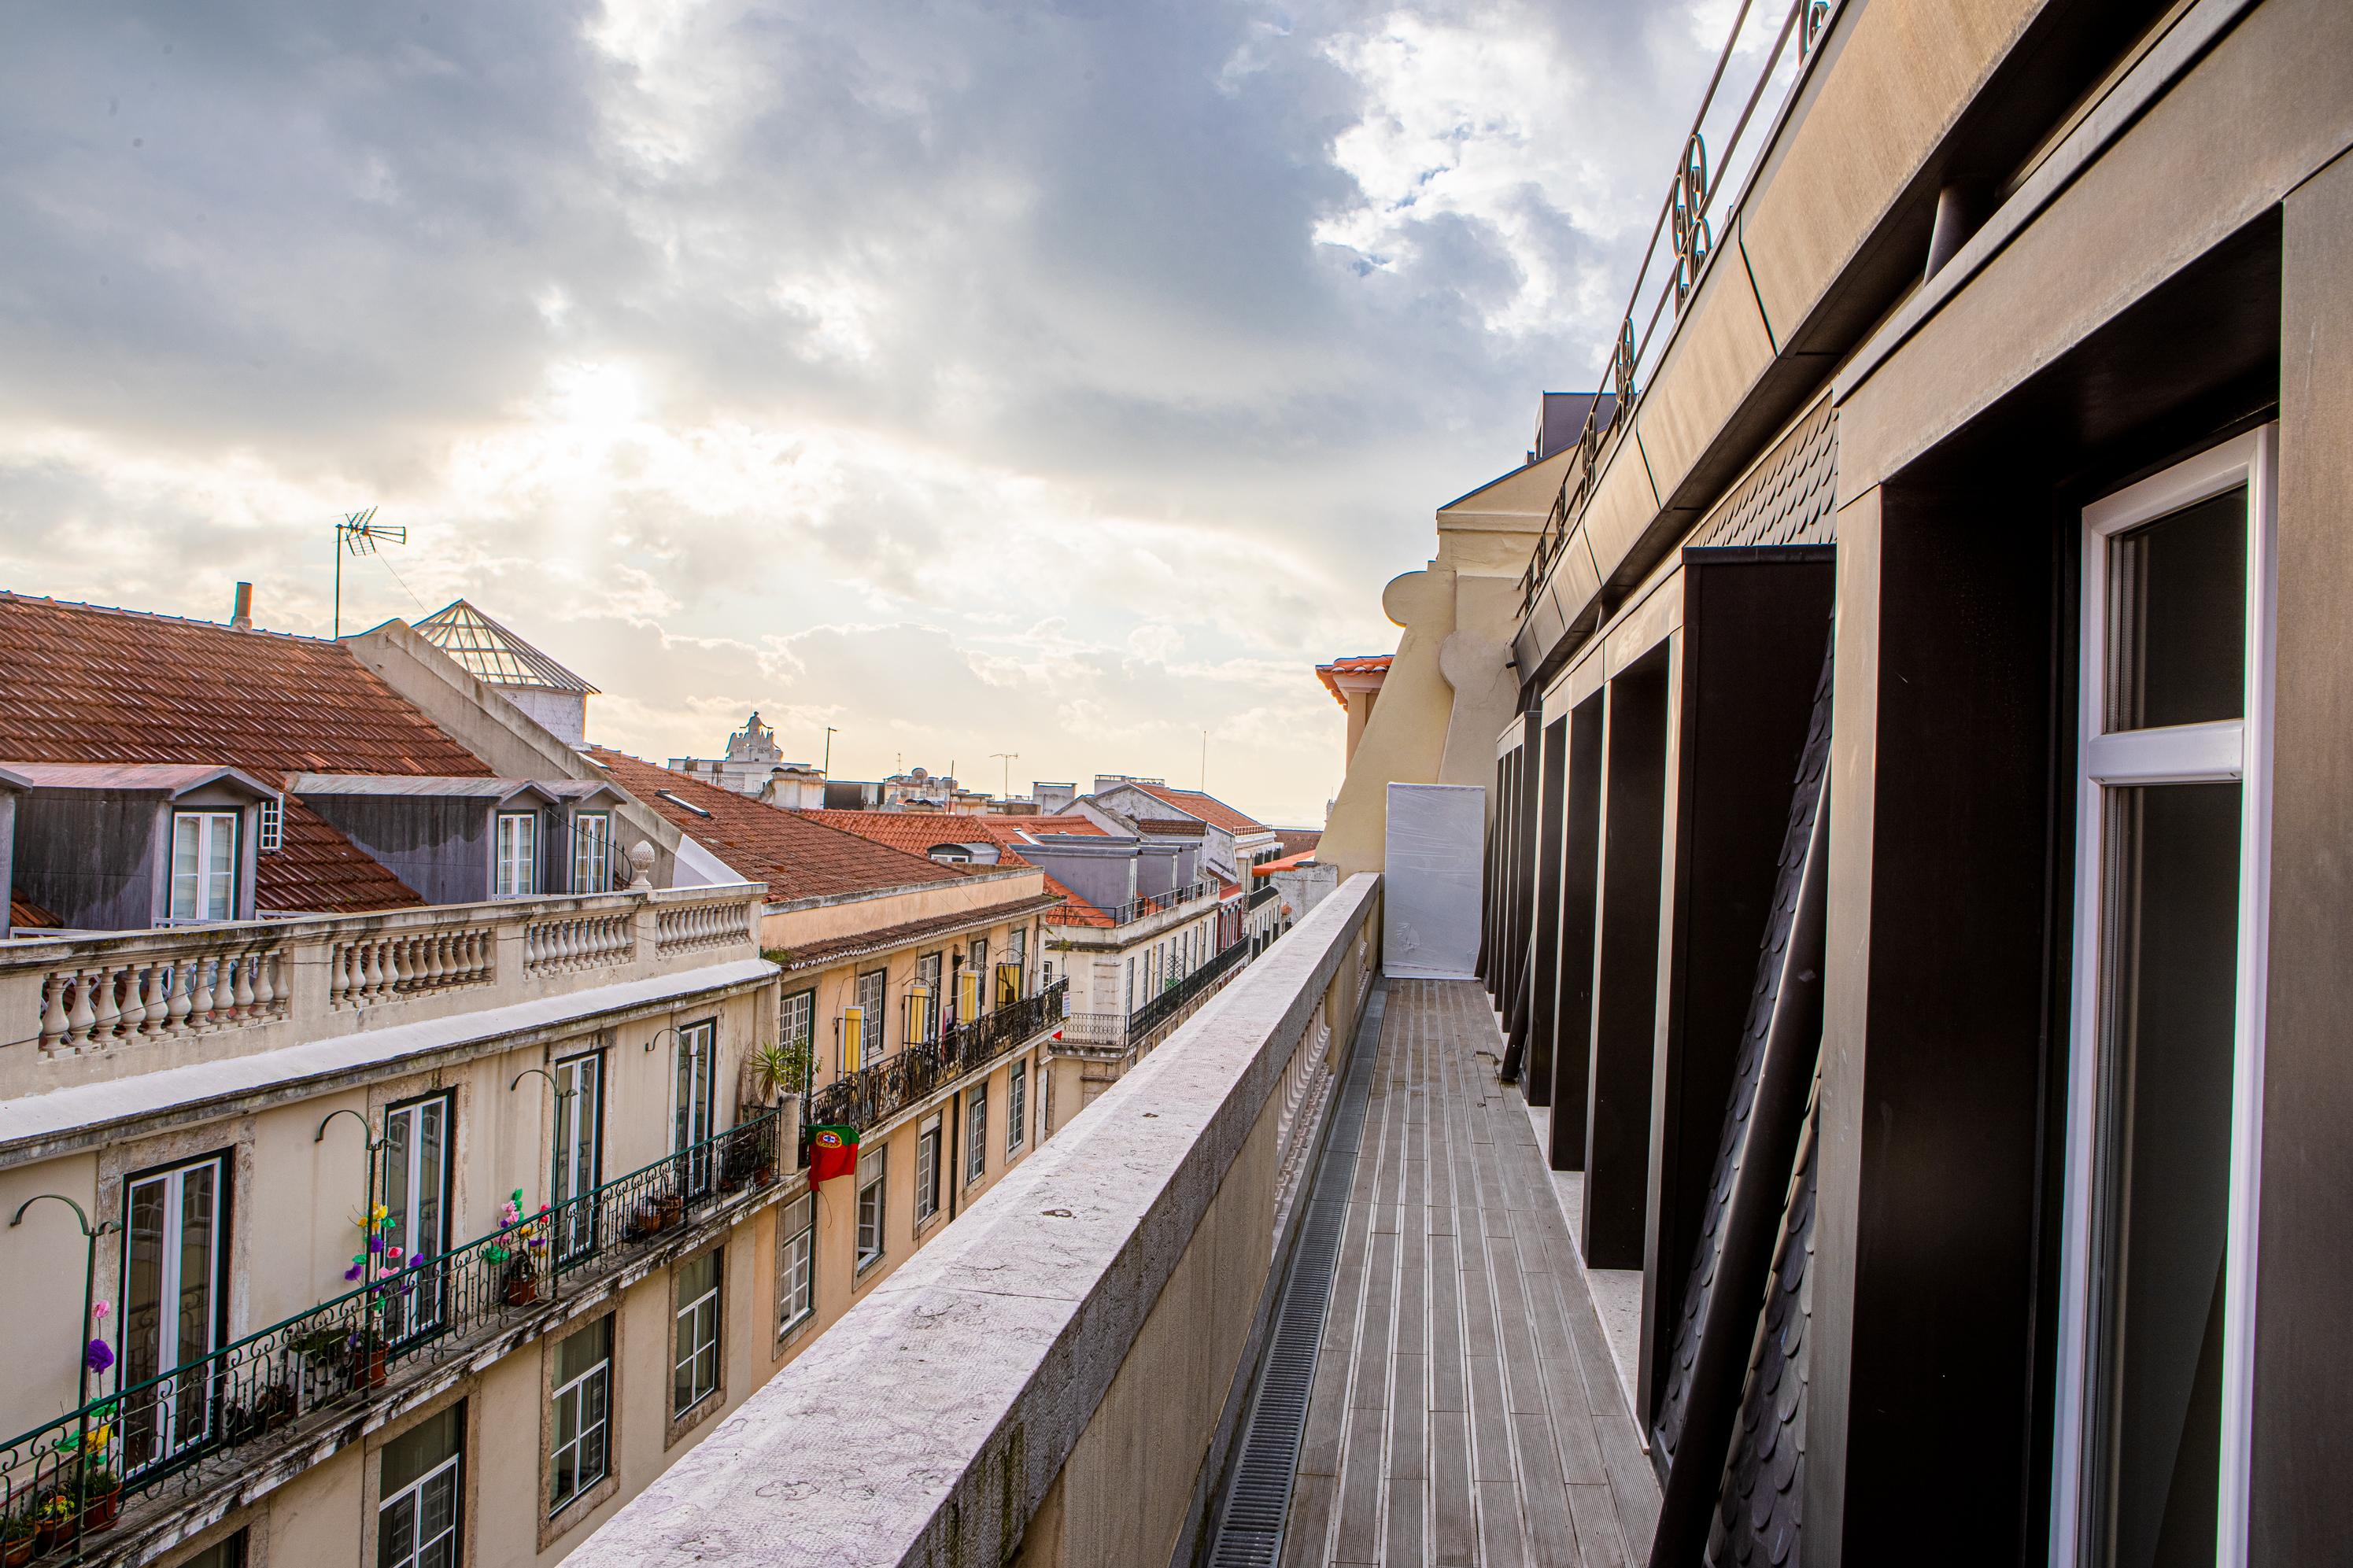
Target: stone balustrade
(98,1000)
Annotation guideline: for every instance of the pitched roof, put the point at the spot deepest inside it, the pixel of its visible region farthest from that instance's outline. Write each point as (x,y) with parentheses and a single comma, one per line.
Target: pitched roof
(489,650)
(1288,863)
(80,683)
(1297,840)
(797,857)
(1355,664)
(1207,807)
(917,833)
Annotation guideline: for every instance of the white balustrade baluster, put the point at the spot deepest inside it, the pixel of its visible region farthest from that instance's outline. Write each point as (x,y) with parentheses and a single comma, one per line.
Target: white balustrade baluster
(79,1019)
(180,987)
(244,962)
(200,994)
(135,1015)
(106,1008)
(375,967)
(265,983)
(55,989)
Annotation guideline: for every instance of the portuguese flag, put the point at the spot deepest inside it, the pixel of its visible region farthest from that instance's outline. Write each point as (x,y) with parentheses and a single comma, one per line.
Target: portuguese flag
(833,1152)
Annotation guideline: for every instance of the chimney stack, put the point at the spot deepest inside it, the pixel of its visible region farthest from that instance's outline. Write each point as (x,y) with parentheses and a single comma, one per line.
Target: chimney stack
(242,617)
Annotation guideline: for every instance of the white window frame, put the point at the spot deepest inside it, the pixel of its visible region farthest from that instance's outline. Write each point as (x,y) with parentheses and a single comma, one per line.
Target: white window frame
(873,1234)
(269,825)
(2228,751)
(576,1390)
(412,1495)
(694,1099)
(927,1169)
(592,852)
(168,1404)
(208,826)
(1017,1108)
(796,1263)
(690,1339)
(976,1133)
(421,1307)
(579,1142)
(514,857)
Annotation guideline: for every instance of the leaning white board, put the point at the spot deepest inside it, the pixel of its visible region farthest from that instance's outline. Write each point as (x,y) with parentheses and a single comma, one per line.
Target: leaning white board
(1431,886)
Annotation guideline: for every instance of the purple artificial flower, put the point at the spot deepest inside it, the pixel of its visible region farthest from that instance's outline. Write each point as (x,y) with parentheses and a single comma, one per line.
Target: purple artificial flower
(375,1244)
(99,1357)
(414,1261)
(352,1273)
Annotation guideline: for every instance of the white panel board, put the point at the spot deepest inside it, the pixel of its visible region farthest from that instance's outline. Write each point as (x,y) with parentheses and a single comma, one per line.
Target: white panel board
(1431,886)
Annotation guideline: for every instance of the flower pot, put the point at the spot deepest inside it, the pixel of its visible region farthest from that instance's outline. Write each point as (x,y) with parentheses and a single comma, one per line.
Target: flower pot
(647,1221)
(764,1176)
(100,1510)
(673,1211)
(520,1289)
(368,1369)
(17,1549)
(52,1533)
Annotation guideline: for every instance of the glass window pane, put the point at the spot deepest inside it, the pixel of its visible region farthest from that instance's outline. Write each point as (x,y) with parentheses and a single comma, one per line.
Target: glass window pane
(2168,1035)
(195,1307)
(2178,617)
(422,1446)
(590,1347)
(220,866)
(186,879)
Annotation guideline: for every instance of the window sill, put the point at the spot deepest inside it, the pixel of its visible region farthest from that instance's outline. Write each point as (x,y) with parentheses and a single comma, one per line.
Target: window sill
(556,1526)
(695,1414)
(790,1332)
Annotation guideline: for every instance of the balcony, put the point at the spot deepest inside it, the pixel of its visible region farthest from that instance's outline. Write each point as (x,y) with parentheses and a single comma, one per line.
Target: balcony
(1115,1037)
(1265,894)
(171,1007)
(1308,1127)
(185,1446)
(874,1095)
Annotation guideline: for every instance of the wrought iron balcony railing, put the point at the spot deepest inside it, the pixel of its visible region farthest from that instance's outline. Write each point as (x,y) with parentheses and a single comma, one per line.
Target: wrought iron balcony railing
(1160,1008)
(70,1477)
(1259,896)
(874,1094)
(1140,909)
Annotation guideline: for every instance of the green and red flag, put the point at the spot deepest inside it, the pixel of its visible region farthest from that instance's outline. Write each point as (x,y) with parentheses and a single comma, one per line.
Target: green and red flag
(833,1152)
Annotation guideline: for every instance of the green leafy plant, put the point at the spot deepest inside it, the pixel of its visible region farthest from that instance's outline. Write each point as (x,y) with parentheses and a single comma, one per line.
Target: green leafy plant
(778,1069)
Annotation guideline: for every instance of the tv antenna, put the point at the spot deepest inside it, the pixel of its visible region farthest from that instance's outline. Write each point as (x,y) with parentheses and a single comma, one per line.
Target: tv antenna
(1008,758)
(358,533)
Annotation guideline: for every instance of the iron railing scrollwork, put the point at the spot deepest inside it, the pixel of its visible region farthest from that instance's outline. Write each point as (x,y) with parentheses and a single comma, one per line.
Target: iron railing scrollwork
(1160,1008)
(179,1430)
(876,1092)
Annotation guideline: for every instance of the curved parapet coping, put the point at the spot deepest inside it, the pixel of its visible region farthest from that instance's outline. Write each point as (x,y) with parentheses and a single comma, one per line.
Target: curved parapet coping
(930,1423)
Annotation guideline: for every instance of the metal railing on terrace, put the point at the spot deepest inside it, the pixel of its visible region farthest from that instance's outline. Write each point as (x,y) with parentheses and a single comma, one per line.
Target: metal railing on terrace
(1262,895)
(1172,998)
(104,1005)
(874,1094)
(1703,193)
(67,1483)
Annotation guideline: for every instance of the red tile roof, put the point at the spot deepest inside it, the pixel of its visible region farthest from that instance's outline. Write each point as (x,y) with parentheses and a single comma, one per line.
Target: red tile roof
(1356,664)
(1295,840)
(917,833)
(80,683)
(26,915)
(797,857)
(1207,807)
(1288,863)
(839,948)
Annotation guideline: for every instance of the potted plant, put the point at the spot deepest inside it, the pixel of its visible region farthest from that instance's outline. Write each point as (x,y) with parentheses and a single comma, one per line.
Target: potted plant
(19,1538)
(770,1072)
(519,1287)
(317,1357)
(56,1524)
(101,1497)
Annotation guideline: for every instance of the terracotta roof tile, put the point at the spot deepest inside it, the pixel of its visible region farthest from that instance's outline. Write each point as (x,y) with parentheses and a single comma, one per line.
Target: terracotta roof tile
(797,857)
(79,683)
(1208,808)
(1355,664)
(1298,840)
(917,832)
(25,914)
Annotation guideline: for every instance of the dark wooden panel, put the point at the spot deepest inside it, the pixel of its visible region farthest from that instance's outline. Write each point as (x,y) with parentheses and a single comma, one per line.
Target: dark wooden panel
(1626,978)
(1544,1008)
(1580,881)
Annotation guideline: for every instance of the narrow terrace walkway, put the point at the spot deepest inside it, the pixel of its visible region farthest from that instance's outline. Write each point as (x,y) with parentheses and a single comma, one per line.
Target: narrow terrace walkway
(1465,1407)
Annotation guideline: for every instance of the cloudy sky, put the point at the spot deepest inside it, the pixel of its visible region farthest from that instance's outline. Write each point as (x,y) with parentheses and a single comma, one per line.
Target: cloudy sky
(1056,379)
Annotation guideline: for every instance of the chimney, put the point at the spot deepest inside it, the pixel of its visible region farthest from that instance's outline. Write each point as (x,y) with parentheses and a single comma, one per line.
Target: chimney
(242,616)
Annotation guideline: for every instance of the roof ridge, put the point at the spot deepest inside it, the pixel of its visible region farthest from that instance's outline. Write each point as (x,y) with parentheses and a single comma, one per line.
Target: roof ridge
(89,608)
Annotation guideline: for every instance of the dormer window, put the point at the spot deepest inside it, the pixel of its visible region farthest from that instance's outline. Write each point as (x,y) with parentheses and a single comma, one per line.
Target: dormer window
(204,866)
(517,870)
(592,852)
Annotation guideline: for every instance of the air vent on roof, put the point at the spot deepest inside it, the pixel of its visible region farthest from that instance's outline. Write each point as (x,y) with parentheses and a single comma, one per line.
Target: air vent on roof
(680,800)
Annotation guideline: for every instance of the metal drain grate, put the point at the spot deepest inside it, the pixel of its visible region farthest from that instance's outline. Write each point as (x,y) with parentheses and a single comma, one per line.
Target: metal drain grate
(1258,1492)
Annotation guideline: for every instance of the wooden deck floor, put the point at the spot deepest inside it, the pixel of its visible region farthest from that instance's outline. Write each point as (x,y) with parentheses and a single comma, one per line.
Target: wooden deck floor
(1465,1407)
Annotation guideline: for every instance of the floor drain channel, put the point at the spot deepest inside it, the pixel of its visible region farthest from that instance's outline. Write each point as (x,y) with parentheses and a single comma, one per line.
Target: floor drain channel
(1258,1493)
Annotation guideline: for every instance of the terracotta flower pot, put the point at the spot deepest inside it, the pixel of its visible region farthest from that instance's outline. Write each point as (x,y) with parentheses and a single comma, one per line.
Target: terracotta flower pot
(17,1549)
(100,1510)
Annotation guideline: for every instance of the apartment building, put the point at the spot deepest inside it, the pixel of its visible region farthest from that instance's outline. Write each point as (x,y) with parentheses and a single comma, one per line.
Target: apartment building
(384,1184)
(1134,940)
(1908,719)
(915,994)
(1233,844)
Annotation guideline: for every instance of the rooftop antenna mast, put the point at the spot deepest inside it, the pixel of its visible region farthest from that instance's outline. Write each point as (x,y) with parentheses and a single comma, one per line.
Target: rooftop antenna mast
(358,533)
(1008,758)
(830,733)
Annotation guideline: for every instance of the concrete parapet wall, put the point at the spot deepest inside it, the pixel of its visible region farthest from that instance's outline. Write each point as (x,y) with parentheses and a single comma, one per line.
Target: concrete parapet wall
(1049,1380)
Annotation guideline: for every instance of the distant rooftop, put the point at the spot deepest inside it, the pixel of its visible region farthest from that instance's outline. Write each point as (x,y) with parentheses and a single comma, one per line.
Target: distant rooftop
(494,654)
